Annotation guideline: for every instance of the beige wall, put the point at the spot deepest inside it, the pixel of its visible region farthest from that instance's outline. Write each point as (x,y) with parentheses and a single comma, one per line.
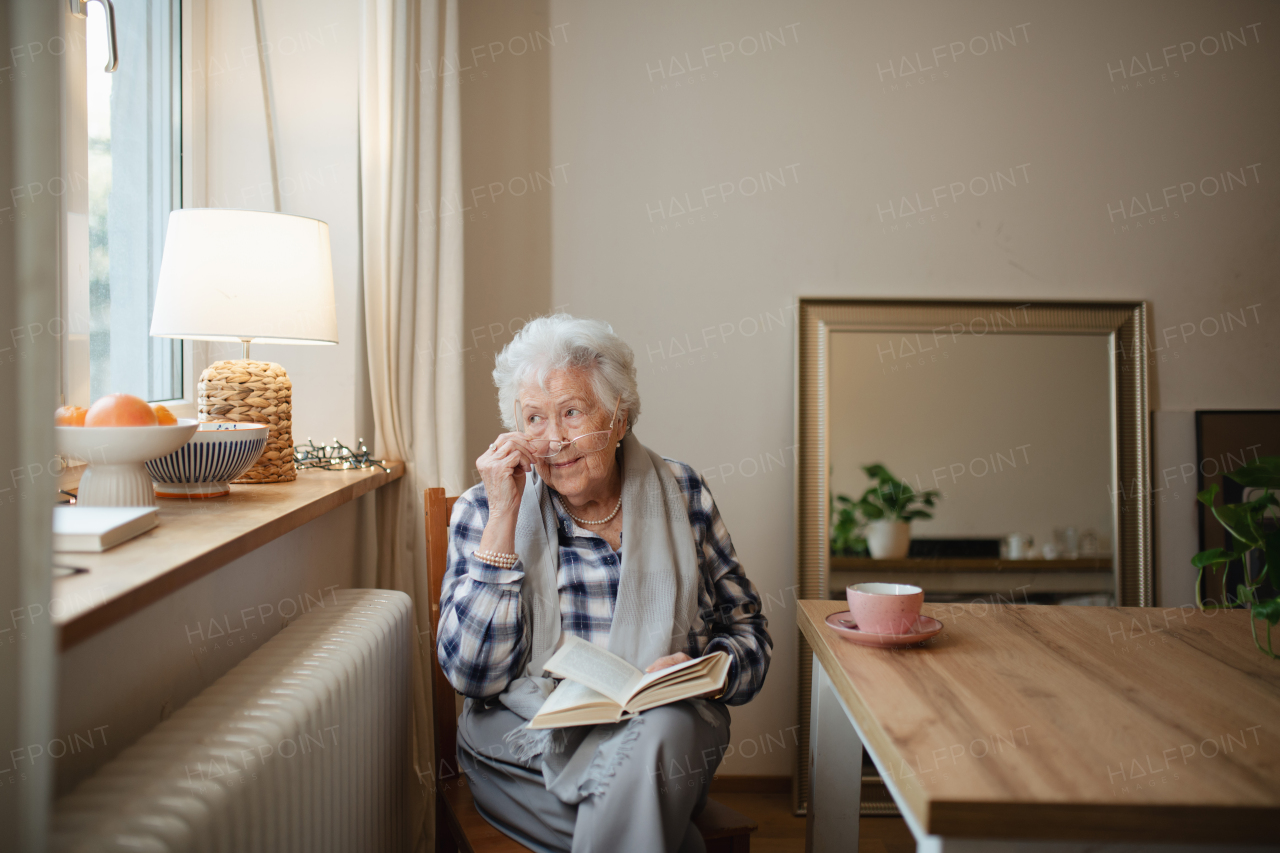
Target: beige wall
(703,296)
(1014,430)
(508,179)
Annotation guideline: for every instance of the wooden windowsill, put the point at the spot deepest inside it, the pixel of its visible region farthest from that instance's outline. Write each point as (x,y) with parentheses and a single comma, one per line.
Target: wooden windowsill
(194,538)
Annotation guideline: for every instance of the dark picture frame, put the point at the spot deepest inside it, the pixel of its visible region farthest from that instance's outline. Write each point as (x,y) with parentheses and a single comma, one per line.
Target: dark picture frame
(1225,440)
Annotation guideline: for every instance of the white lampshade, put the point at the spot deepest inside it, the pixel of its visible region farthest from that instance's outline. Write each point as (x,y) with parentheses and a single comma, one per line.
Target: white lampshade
(246,275)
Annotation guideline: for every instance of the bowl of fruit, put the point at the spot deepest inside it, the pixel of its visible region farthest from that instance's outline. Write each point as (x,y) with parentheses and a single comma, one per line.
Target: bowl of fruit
(115,437)
(205,466)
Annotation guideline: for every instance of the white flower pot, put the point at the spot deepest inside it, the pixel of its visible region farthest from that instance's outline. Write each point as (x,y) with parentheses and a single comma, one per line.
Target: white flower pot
(888,540)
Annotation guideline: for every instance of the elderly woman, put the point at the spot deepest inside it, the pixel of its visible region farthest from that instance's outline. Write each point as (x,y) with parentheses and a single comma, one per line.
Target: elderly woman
(577,527)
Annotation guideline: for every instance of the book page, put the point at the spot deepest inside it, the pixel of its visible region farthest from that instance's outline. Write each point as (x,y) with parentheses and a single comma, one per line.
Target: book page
(573,704)
(673,673)
(687,684)
(595,667)
(571,694)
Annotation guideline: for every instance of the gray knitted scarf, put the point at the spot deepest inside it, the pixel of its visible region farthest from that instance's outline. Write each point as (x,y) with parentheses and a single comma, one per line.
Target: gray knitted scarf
(656,605)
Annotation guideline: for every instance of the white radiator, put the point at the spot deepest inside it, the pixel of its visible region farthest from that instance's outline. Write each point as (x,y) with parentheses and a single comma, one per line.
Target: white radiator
(303,746)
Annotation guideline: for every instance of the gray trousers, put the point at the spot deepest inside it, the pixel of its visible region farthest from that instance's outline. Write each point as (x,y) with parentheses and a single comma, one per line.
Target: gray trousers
(647,807)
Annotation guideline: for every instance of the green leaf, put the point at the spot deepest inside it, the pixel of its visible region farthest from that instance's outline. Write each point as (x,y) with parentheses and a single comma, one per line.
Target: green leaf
(1259,505)
(1206,497)
(1268,610)
(890,497)
(1213,557)
(1238,522)
(876,471)
(1264,474)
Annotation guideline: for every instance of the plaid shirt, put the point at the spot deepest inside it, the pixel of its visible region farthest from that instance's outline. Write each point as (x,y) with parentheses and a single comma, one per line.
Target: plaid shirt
(482,646)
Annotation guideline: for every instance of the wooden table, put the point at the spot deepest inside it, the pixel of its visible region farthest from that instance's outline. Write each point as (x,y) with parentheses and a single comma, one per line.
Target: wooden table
(1028,728)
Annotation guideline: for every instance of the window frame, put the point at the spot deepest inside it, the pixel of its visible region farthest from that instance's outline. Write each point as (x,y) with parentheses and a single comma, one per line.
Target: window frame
(183,31)
(194,17)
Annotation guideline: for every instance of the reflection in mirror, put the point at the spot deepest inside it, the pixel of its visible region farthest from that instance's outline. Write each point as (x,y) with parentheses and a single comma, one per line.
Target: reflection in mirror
(1013,431)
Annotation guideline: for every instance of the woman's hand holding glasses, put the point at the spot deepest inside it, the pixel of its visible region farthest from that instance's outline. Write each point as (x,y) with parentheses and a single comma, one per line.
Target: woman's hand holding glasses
(503,468)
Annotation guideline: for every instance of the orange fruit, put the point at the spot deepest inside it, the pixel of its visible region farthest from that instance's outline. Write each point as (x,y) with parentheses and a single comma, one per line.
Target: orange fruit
(164,417)
(70,416)
(115,410)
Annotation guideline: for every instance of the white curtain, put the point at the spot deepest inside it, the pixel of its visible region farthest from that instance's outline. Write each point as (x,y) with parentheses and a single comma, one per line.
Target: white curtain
(410,160)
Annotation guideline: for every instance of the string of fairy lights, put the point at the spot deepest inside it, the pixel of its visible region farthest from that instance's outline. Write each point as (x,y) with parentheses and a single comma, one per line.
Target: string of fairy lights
(334,457)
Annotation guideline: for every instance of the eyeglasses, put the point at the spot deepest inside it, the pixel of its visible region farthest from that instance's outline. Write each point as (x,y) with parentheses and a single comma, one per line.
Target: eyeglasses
(590,442)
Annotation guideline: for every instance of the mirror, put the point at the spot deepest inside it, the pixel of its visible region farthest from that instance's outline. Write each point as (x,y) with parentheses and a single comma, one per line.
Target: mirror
(1013,433)
(1030,422)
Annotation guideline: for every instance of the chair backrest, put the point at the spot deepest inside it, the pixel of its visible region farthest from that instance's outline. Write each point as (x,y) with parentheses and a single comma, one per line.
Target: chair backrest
(444,713)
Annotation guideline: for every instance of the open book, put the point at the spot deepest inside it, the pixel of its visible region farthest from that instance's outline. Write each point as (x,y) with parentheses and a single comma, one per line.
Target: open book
(600,687)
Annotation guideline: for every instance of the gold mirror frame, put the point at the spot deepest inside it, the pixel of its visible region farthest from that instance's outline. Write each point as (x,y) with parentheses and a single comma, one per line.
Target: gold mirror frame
(1126,325)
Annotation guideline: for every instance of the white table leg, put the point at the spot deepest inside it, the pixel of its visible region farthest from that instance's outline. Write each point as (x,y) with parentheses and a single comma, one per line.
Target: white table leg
(835,771)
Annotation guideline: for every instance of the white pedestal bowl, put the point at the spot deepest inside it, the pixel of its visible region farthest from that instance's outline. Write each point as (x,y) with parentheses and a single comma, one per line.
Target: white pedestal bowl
(116,456)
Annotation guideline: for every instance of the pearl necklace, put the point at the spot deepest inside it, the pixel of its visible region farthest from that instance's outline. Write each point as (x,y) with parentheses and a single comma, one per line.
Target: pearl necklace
(607,518)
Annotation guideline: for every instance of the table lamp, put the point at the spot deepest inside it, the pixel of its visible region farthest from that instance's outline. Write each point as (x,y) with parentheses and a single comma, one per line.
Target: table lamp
(247,275)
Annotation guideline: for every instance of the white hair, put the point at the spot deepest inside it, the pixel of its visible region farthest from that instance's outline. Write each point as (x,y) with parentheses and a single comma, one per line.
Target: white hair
(563,342)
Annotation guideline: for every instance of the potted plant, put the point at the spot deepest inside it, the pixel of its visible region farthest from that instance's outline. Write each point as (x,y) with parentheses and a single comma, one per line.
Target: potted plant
(1252,532)
(888,508)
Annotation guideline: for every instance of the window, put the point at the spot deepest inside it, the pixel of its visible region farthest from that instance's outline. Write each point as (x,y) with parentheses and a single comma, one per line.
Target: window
(123,137)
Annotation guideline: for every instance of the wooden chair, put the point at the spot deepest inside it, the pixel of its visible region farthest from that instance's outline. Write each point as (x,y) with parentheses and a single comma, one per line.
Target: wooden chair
(459,827)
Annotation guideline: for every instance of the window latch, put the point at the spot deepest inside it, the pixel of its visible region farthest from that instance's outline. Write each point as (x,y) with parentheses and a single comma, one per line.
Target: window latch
(80,8)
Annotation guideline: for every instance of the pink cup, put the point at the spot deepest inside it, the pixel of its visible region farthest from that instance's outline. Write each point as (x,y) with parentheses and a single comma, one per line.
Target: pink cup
(885,608)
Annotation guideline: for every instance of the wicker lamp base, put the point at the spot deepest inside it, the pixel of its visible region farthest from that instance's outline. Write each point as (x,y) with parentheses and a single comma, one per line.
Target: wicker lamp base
(258,392)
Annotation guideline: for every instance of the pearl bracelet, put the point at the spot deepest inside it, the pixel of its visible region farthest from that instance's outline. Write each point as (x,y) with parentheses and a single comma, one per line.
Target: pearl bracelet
(496,558)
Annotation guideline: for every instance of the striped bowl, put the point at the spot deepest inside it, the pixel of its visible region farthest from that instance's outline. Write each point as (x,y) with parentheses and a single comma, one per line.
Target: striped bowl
(205,466)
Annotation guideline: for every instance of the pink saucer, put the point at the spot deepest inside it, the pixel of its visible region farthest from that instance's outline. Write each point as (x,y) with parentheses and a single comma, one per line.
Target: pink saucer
(842,623)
